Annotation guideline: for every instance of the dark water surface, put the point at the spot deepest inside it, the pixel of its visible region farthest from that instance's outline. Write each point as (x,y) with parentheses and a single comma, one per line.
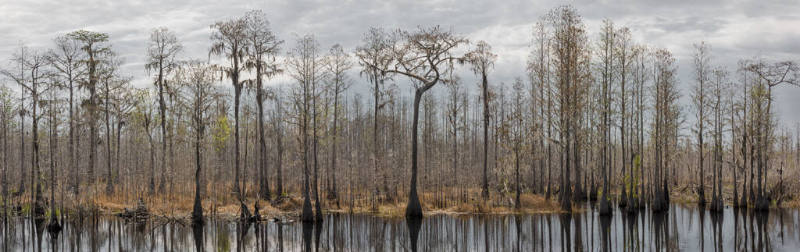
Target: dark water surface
(683,228)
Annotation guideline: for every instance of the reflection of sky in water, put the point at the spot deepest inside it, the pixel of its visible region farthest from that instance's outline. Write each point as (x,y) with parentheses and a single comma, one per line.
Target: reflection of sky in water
(682,228)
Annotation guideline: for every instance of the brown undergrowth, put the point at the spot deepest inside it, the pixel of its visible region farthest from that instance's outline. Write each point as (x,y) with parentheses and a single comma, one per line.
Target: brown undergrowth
(178,204)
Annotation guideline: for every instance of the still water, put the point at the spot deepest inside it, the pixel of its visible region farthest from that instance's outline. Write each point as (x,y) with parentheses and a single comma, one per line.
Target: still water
(683,228)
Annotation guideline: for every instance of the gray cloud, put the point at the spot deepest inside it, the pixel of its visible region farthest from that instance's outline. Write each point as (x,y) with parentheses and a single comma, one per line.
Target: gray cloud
(735,29)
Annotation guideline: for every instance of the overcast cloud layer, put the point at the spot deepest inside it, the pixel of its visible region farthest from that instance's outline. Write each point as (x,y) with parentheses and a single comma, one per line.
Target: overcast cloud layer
(735,29)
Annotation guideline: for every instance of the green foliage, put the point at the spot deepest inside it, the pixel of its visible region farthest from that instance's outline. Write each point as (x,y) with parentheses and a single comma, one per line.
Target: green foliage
(48,212)
(222,132)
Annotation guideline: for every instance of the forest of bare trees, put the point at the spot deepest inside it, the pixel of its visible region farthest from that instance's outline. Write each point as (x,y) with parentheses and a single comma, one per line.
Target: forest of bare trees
(389,123)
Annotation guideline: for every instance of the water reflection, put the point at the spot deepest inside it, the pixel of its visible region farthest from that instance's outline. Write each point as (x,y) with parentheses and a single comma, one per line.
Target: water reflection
(680,228)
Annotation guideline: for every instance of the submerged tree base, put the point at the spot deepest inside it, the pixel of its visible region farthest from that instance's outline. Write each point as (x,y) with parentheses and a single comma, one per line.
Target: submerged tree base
(761,204)
(307,214)
(414,208)
(716,205)
(604,207)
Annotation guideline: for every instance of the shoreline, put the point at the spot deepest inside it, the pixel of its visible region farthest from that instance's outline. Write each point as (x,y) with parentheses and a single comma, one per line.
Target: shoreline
(174,207)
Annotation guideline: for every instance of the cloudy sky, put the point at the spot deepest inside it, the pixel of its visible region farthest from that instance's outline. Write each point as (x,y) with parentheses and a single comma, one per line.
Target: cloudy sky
(737,29)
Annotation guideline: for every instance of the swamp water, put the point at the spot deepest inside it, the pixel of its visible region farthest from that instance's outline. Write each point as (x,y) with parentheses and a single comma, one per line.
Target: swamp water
(682,228)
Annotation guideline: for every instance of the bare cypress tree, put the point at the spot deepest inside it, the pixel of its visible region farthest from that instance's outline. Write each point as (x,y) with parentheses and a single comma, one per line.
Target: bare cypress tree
(424,56)
(625,53)
(229,38)
(539,72)
(665,123)
(454,106)
(263,48)
(745,77)
(66,58)
(198,90)
(337,64)
(20,79)
(482,61)
(734,109)
(769,75)
(112,84)
(606,54)
(53,110)
(304,66)
(719,78)
(641,74)
(37,85)
(702,69)
(143,117)
(316,93)
(570,60)
(37,65)
(6,112)
(277,125)
(123,105)
(514,131)
(95,47)
(374,53)
(162,49)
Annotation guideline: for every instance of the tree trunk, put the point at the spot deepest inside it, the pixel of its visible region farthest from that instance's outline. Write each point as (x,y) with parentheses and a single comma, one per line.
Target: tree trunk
(197,210)
(23,174)
(73,161)
(485,87)
(152,186)
(307,214)
(262,144)
(38,209)
(414,209)
(109,183)
(332,192)
(162,107)
(53,226)
(317,203)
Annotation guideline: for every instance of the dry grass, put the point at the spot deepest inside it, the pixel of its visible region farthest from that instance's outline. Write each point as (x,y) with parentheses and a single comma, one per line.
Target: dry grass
(793,203)
(449,201)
